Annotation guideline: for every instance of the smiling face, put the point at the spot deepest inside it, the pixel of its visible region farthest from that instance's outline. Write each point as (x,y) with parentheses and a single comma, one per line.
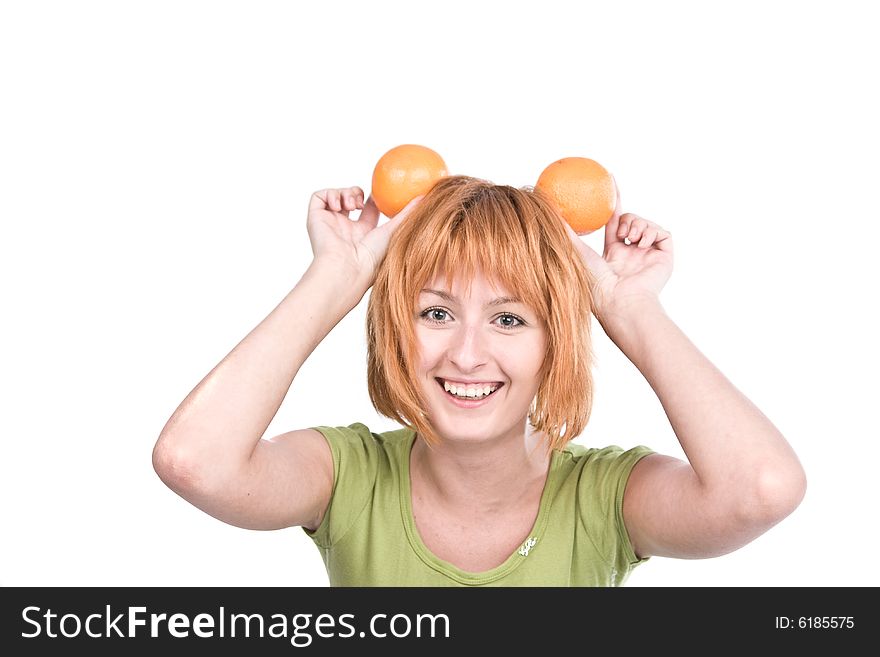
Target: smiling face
(519,240)
(472,344)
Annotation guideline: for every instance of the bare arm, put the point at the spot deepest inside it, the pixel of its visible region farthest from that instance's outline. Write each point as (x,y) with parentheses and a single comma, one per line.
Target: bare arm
(211,451)
(742,477)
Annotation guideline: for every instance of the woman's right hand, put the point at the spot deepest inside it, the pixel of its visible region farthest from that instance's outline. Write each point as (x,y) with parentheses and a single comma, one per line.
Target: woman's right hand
(359,245)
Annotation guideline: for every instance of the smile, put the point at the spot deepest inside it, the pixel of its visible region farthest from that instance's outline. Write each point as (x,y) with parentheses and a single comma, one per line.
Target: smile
(468,402)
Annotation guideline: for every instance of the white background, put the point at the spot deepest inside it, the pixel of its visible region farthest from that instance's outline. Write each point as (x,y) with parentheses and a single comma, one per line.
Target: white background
(156,161)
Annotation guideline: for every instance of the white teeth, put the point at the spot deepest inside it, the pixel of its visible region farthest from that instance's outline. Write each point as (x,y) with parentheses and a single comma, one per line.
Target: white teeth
(469,392)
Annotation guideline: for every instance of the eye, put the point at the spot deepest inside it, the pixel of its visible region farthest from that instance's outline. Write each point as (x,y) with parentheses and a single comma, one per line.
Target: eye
(436,315)
(517,321)
(430,315)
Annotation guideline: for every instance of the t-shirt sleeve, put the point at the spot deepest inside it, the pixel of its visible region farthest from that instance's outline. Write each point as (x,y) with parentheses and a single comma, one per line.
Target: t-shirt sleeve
(355,464)
(600,497)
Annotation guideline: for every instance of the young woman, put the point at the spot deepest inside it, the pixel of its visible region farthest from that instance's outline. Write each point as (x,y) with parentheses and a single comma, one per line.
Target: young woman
(479,346)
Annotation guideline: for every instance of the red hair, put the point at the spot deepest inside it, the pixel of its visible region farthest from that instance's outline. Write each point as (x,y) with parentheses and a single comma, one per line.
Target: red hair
(518,239)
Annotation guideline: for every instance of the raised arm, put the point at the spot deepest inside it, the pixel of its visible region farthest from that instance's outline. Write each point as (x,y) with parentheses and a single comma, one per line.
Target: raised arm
(741,477)
(211,451)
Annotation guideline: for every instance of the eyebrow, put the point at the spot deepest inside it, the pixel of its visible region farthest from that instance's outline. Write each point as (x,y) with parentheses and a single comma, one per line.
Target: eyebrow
(451,299)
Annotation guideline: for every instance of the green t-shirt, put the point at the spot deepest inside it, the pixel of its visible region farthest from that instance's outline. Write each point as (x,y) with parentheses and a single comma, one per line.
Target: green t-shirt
(368,535)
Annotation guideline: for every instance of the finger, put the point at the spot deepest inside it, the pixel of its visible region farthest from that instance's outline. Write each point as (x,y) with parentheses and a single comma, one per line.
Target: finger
(344,199)
(393,222)
(613,223)
(409,207)
(648,237)
(350,201)
(333,200)
(636,229)
(625,226)
(318,200)
(353,197)
(595,262)
(370,214)
(664,241)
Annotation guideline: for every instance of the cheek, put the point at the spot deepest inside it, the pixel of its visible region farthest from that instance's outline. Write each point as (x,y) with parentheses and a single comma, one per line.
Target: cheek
(428,349)
(521,364)
(531,356)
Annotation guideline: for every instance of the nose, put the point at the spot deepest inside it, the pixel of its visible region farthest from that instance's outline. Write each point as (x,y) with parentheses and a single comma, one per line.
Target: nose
(468,348)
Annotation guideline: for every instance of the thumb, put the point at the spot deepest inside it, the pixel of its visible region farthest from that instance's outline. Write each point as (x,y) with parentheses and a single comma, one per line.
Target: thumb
(391,225)
(377,239)
(595,262)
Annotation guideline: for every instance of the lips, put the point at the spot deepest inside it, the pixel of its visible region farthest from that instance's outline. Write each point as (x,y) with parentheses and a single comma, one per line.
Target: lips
(468,402)
(441,380)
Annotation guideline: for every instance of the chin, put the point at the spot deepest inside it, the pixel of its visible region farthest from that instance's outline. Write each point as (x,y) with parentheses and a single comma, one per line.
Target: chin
(462,429)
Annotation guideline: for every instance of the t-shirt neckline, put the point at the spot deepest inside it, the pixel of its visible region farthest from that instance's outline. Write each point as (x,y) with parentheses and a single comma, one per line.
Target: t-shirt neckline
(448,569)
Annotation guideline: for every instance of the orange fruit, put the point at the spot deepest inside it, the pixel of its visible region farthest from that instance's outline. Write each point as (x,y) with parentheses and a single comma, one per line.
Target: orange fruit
(403,173)
(583,191)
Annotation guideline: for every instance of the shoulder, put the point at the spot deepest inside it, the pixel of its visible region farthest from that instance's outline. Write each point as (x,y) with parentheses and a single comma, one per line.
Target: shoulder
(362,461)
(360,455)
(608,461)
(357,441)
(597,477)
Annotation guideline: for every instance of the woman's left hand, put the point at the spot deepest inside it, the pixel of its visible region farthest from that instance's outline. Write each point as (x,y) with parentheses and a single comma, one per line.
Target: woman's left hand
(627,274)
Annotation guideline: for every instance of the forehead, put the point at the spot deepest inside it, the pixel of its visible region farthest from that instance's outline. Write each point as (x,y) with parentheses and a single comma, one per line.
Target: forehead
(479,285)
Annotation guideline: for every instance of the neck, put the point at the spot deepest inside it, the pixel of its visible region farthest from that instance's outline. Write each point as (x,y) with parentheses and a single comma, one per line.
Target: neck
(485,477)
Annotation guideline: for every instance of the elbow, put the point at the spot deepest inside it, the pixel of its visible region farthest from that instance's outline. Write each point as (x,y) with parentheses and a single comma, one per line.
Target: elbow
(777,493)
(176,466)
